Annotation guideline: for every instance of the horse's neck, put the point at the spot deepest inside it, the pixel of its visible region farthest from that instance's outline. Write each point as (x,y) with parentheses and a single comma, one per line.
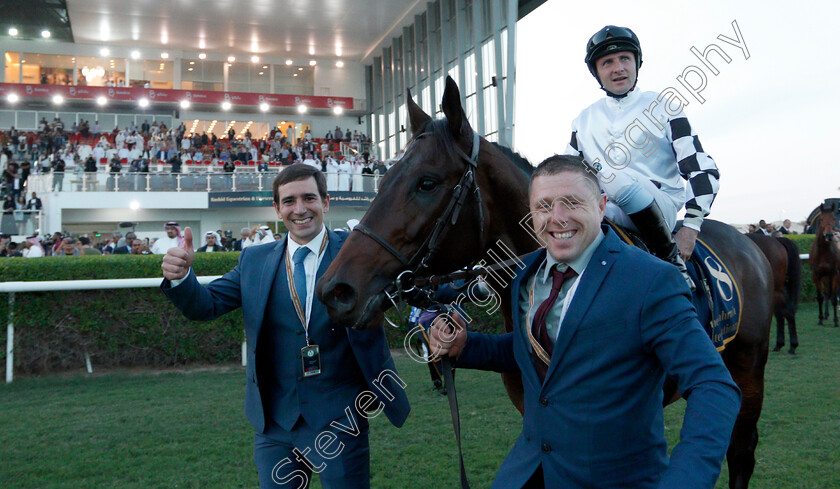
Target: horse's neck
(508,208)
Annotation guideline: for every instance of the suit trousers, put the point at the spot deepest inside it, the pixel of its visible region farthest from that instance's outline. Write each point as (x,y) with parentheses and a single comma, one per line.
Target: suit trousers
(286,459)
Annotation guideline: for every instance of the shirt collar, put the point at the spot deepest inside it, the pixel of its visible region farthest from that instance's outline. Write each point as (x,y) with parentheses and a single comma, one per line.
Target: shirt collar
(578,264)
(314,245)
(631,97)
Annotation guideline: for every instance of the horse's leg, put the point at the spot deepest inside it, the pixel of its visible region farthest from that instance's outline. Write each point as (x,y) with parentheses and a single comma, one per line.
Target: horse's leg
(746,363)
(818,285)
(794,339)
(835,287)
(780,330)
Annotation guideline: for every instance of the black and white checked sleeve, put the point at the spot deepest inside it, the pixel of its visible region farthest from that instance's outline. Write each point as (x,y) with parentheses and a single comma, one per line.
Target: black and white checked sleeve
(695,166)
(572,148)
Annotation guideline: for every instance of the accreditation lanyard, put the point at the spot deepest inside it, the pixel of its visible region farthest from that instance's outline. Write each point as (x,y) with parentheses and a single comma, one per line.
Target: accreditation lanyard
(301,309)
(567,299)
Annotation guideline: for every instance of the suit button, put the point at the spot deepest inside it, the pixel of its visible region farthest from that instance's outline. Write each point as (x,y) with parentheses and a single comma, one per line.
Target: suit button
(543,402)
(546,448)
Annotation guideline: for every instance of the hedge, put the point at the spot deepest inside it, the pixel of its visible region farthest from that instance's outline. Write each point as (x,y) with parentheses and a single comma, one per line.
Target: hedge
(139,327)
(121,327)
(125,327)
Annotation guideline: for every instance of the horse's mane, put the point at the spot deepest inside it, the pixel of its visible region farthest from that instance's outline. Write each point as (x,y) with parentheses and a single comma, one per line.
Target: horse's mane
(520,161)
(443,135)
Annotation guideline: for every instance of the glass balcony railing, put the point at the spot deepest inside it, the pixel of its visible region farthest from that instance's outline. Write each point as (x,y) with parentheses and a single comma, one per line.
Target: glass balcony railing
(194,181)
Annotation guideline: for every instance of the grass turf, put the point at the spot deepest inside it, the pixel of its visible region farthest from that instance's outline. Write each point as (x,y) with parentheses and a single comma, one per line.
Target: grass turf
(142,429)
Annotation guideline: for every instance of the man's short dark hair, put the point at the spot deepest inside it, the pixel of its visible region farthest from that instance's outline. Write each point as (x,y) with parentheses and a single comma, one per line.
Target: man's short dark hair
(84,240)
(565,163)
(300,172)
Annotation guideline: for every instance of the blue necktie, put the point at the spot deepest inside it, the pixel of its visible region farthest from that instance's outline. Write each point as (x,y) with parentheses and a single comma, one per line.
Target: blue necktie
(300,275)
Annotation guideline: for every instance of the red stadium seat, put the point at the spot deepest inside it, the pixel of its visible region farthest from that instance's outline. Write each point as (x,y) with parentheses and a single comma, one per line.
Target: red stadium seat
(102,161)
(124,161)
(252,163)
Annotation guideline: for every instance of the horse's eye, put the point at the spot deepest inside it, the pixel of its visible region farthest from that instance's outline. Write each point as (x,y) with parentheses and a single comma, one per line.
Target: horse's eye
(427,185)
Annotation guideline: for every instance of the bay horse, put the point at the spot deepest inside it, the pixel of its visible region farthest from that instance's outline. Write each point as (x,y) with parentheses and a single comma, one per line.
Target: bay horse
(783,255)
(429,181)
(824,263)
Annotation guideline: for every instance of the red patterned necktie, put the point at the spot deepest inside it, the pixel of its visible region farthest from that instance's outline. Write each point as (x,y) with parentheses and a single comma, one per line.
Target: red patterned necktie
(540,341)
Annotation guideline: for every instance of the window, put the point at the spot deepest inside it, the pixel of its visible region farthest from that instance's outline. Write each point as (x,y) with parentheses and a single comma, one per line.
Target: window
(97,72)
(197,74)
(47,69)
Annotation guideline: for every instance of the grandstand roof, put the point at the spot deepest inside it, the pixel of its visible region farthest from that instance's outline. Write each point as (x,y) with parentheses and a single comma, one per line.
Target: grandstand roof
(321,28)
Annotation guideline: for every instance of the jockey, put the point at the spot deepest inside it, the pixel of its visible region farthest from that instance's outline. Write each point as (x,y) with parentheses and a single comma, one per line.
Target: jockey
(642,146)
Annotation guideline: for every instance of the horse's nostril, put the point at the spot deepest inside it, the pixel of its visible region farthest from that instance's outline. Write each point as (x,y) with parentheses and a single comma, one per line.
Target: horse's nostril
(343,294)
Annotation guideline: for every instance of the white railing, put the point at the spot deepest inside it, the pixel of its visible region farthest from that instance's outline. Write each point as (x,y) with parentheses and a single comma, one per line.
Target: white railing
(64,285)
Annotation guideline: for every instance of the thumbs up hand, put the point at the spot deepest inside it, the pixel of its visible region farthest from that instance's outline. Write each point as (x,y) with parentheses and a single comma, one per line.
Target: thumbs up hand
(177,261)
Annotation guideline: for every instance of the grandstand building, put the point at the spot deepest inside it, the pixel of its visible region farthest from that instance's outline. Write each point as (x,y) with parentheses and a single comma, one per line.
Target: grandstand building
(273,82)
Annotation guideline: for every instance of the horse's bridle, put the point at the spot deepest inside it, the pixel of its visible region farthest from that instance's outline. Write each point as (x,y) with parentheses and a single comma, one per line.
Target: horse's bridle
(419,262)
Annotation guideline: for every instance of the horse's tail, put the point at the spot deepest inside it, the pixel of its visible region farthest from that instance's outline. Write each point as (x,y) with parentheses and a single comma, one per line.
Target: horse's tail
(793,277)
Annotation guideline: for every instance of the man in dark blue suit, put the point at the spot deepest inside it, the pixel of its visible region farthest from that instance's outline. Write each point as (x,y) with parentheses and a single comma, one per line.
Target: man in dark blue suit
(311,385)
(597,326)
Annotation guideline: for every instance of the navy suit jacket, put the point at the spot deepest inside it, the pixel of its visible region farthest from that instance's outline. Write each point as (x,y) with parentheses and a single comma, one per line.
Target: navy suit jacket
(597,421)
(248,286)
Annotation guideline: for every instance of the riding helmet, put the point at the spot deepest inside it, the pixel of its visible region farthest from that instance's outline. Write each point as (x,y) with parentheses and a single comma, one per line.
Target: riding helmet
(608,40)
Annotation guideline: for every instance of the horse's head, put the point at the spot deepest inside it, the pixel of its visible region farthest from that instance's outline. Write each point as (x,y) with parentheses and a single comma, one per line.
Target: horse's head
(400,230)
(826,221)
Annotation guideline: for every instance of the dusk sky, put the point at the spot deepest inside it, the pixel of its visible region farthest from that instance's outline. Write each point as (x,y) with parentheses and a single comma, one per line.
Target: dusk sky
(768,121)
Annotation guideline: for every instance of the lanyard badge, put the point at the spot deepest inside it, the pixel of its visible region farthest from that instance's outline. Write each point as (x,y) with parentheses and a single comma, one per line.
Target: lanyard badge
(311,357)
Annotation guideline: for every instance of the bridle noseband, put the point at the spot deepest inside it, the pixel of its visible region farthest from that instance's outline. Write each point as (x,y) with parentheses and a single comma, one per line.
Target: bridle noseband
(420,260)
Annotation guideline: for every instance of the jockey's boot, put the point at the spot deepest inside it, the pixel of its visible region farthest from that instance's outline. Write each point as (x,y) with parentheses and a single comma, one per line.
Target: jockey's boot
(657,236)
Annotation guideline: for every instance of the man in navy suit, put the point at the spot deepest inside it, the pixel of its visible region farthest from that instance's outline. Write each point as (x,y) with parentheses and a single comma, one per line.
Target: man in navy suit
(311,385)
(597,327)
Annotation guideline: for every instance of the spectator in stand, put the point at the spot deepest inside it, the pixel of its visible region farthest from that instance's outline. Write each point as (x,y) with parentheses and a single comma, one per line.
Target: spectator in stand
(329,135)
(5,239)
(96,129)
(278,236)
(86,248)
(69,247)
(211,243)
(173,238)
(90,164)
(348,135)
(310,160)
(785,229)
(242,243)
(139,247)
(762,227)
(32,247)
(34,203)
(125,249)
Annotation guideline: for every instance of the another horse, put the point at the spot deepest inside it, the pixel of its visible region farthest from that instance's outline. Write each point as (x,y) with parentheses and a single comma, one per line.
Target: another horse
(419,192)
(824,262)
(783,255)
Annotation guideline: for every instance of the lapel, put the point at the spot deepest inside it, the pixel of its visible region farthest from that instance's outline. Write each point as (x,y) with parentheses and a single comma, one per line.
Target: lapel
(269,272)
(590,284)
(532,263)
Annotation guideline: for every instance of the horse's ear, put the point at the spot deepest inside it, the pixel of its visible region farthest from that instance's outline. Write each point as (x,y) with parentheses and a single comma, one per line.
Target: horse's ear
(417,118)
(458,122)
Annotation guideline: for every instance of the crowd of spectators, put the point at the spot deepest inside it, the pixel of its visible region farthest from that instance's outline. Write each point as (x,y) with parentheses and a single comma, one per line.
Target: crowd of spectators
(768,229)
(65,244)
(156,148)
